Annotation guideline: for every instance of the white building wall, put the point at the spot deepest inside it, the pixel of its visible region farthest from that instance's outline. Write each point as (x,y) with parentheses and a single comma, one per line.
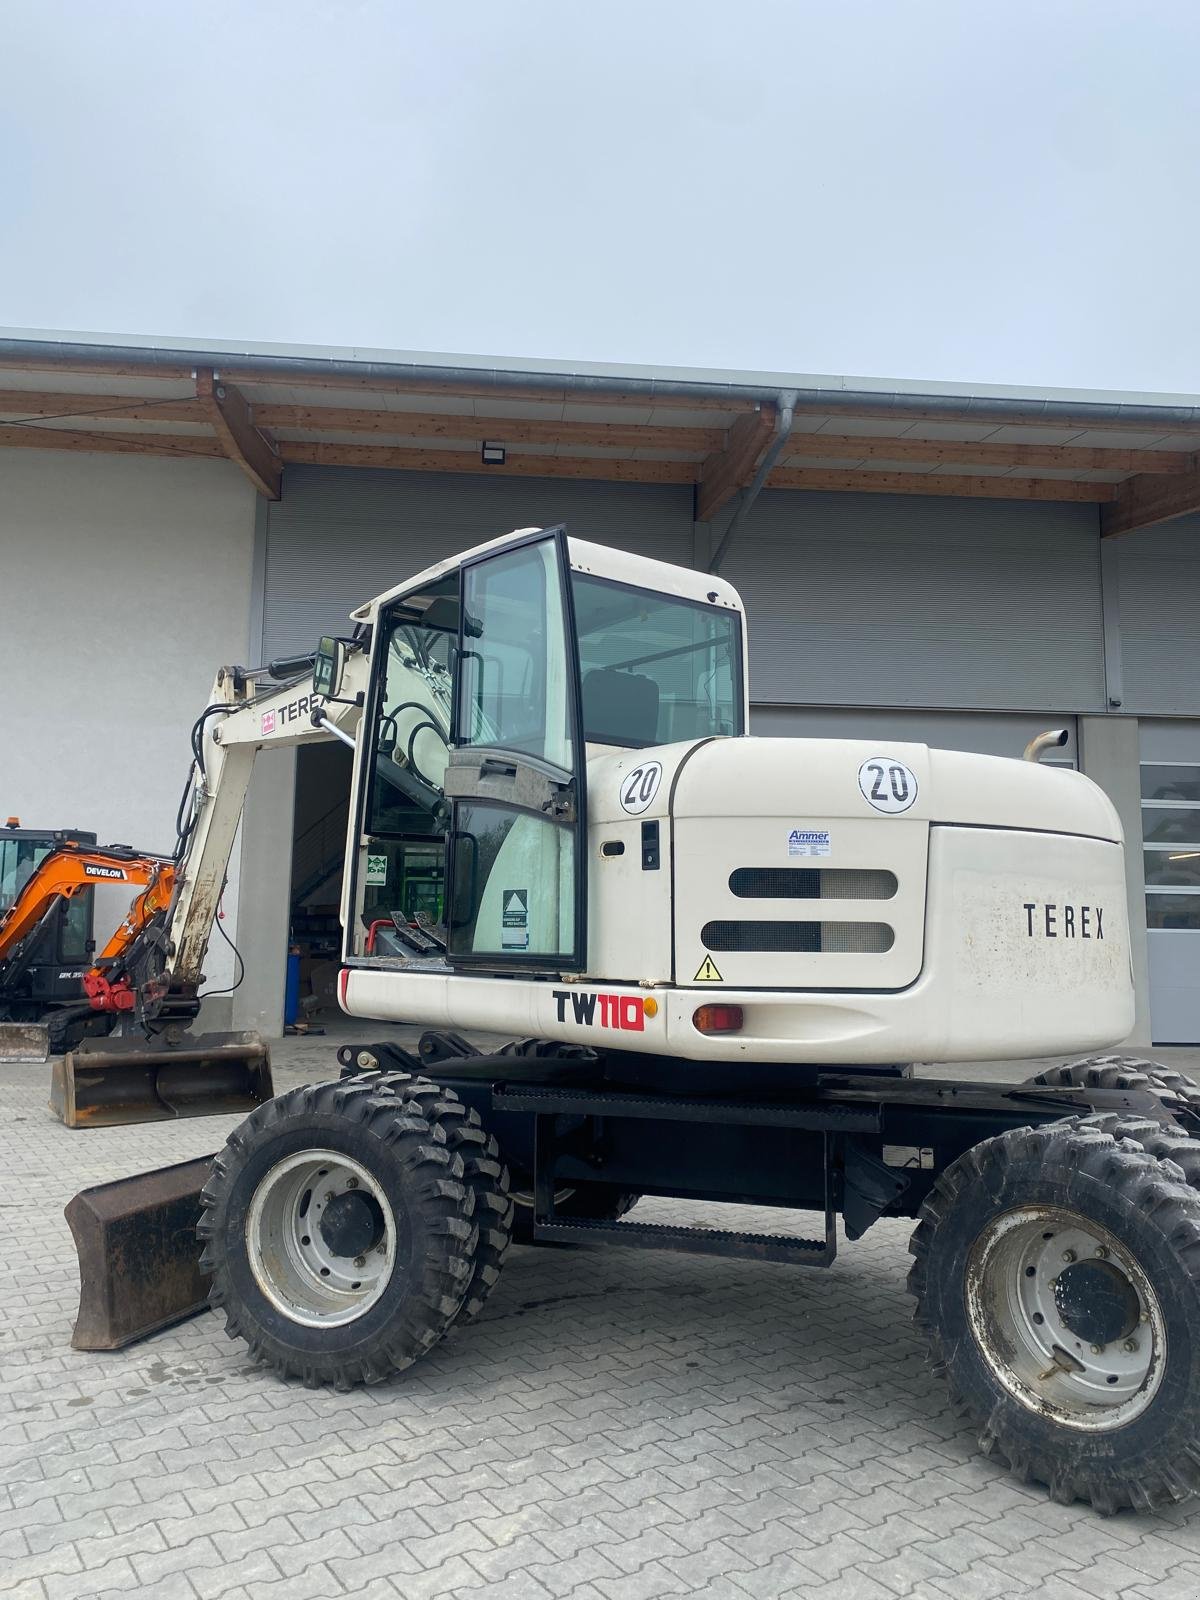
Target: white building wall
(125,581)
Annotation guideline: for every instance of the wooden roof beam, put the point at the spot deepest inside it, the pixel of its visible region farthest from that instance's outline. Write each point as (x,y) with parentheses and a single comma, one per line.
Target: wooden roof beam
(401,458)
(503,430)
(87,407)
(959,484)
(22,437)
(733,467)
(253,451)
(939,452)
(1143,501)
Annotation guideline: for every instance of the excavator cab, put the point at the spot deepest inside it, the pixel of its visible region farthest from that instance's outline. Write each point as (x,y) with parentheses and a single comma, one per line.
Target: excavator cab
(47,984)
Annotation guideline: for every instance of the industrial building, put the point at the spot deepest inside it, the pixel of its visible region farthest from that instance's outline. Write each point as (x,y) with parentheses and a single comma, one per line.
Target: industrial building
(963,566)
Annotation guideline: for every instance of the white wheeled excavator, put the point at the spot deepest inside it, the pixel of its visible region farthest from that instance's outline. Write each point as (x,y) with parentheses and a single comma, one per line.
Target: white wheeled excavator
(715,955)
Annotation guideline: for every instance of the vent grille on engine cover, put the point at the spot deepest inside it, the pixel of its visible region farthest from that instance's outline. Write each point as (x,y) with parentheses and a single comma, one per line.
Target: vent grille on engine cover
(829,938)
(812,883)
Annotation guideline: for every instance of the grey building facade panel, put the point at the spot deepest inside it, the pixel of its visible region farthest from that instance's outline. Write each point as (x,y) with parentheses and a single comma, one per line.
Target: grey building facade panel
(987,733)
(921,601)
(338,537)
(1159,587)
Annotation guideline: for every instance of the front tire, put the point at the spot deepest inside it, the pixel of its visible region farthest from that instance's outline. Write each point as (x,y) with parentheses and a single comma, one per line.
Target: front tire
(339,1225)
(1057,1281)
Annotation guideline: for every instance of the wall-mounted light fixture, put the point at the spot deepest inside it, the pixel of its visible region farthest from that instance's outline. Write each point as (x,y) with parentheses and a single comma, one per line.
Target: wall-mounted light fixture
(493,455)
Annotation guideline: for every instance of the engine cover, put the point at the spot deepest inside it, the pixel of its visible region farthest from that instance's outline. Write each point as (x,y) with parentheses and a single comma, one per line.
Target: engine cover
(916,903)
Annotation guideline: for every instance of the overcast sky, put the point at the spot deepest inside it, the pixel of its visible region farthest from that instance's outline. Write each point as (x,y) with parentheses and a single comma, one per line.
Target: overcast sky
(980,190)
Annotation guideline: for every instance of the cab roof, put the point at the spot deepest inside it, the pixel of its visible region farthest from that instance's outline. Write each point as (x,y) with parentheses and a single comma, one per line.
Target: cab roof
(598,560)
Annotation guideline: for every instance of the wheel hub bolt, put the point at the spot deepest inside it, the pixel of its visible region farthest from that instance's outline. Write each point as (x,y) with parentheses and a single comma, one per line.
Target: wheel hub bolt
(1068,1255)
(1101,1252)
(1130,1347)
(1097,1349)
(360,1261)
(352,1183)
(328,1196)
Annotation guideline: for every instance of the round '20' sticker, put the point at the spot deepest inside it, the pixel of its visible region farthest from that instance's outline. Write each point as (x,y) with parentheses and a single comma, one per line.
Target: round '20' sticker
(887,784)
(639,786)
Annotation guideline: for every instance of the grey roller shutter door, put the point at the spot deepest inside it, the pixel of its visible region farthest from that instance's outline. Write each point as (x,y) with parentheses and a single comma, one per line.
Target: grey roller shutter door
(339,537)
(912,601)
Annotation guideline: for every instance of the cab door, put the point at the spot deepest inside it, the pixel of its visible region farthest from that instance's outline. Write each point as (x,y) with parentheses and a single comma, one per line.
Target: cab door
(516,775)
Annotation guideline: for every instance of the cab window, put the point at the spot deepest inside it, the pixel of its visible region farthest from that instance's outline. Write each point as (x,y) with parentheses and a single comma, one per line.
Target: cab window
(655,668)
(406,815)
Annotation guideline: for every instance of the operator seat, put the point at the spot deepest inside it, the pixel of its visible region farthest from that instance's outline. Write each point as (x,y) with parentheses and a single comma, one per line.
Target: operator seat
(621,707)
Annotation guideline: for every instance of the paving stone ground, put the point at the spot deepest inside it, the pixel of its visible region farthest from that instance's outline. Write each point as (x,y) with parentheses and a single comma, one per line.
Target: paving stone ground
(617,1426)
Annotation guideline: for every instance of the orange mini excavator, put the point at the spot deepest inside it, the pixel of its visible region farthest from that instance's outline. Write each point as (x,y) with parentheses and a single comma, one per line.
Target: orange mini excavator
(70,869)
(152,1070)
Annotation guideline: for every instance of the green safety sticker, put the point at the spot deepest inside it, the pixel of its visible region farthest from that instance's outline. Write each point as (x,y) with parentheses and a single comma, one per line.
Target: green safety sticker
(377,869)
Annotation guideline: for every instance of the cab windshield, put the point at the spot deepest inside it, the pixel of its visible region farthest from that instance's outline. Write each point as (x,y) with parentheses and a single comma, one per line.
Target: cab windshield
(655,668)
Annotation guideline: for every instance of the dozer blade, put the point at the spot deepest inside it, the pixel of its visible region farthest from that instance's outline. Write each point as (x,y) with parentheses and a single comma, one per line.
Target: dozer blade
(24,1041)
(139,1257)
(104,1083)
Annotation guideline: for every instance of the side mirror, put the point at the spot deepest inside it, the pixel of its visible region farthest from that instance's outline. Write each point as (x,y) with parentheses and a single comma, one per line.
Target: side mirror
(329,667)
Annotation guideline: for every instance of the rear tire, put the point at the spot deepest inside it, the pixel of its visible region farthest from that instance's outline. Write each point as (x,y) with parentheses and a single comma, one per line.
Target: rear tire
(339,1227)
(1175,1089)
(1084,1377)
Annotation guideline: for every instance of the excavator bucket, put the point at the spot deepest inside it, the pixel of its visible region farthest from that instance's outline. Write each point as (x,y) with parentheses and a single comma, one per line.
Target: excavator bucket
(104,1083)
(24,1041)
(139,1257)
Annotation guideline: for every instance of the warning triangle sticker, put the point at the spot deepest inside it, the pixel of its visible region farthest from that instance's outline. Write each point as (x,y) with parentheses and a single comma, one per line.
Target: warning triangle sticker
(516,900)
(708,972)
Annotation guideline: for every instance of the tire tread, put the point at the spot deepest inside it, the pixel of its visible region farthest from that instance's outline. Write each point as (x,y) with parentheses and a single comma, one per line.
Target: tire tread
(1110,1147)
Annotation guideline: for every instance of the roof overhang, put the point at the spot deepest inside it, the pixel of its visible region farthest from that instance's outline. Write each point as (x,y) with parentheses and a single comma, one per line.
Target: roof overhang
(266,407)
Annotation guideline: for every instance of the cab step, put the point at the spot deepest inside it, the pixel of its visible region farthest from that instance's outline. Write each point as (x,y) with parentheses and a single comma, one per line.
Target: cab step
(692,1241)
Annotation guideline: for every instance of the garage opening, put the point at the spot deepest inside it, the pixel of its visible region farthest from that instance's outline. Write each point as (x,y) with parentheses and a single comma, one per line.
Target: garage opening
(318,857)
(405,872)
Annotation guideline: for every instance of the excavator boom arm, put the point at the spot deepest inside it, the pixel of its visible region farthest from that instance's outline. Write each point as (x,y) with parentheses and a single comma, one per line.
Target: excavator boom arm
(239,721)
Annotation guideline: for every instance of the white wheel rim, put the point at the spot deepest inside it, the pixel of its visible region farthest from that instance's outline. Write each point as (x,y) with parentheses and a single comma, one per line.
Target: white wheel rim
(1065,1318)
(301,1266)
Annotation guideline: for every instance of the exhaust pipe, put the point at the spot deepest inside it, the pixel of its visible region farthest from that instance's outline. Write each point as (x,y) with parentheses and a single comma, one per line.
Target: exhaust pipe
(1053,739)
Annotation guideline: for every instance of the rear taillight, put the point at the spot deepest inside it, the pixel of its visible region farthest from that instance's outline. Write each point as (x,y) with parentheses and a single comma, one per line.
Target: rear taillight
(717,1019)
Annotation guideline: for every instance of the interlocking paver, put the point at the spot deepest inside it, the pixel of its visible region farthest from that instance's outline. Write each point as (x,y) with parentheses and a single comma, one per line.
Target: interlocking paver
(617,1426)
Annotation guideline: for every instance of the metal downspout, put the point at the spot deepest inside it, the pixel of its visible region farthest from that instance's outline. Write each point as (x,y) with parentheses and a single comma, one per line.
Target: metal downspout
(783,428)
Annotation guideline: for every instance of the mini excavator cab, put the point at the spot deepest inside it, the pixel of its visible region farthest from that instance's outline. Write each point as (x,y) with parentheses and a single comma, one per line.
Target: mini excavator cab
(54,963)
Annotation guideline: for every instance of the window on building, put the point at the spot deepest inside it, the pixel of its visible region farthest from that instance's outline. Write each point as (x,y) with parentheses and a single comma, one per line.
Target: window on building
(1171,844)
